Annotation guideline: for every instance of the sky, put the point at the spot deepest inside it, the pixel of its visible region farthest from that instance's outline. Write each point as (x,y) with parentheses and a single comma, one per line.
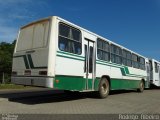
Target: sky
(134,24)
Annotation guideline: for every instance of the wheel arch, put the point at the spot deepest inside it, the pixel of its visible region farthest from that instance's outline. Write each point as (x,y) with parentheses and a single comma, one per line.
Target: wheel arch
(108,78)
(143,80)
(141,88)
(104,86)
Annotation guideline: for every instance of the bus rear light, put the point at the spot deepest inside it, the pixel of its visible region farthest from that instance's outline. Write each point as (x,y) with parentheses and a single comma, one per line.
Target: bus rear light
(27,72)
(14,73)
(42,72)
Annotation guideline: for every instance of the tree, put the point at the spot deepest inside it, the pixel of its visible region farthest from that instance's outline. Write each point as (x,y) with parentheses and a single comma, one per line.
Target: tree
(6,53)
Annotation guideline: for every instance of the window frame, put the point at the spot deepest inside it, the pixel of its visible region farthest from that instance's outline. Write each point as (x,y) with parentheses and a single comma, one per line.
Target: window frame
(102,49)
(135,61)
(113,53)
(69,40)
(126,57)
(140,63)
(45,43)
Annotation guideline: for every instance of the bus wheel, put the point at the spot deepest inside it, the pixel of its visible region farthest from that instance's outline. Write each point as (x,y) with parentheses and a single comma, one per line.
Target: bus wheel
(104,88)
(141,87)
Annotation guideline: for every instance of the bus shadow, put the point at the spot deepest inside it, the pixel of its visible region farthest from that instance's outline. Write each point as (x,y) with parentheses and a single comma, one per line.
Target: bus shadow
(48,98)
(53,96)
(115,92)
(152,87)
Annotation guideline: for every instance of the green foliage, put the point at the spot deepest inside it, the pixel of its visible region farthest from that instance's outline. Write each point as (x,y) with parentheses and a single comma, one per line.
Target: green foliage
(6,53)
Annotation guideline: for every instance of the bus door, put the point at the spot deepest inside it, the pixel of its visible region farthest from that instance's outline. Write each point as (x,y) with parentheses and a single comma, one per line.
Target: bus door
(151,70)
(89,64)
(148,74)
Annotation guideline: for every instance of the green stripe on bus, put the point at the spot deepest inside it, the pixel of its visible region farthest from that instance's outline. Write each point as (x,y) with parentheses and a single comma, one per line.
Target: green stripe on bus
(119,83)
(111,65)
(71,54)
(29,63)
(25,60)
(70,57)
(78,83)
(69,82)
(32,64)
(124,84)
(127,70)
(124,69)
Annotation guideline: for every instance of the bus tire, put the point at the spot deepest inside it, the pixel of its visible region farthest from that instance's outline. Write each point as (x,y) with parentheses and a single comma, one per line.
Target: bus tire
(104,88)
(141,87)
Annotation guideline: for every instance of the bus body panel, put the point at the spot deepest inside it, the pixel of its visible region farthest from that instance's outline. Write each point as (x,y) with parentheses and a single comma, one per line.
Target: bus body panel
(31,55)
(155,72)
(70,67)
(66,70)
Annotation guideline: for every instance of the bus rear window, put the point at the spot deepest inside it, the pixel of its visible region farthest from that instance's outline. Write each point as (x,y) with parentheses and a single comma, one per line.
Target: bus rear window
(33,36)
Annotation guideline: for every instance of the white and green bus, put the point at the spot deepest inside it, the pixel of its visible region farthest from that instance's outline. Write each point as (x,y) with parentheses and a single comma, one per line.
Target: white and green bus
(55,53)
(154,72)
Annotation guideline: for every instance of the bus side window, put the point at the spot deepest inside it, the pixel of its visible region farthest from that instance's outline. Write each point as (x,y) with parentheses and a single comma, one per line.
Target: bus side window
(103,50)
(62,46)
(116,54)
(135,60)
(127,59)
(70,39)
(141,63)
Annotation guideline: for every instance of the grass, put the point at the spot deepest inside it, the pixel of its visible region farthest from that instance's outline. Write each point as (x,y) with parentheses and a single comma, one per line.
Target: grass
(12,86)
